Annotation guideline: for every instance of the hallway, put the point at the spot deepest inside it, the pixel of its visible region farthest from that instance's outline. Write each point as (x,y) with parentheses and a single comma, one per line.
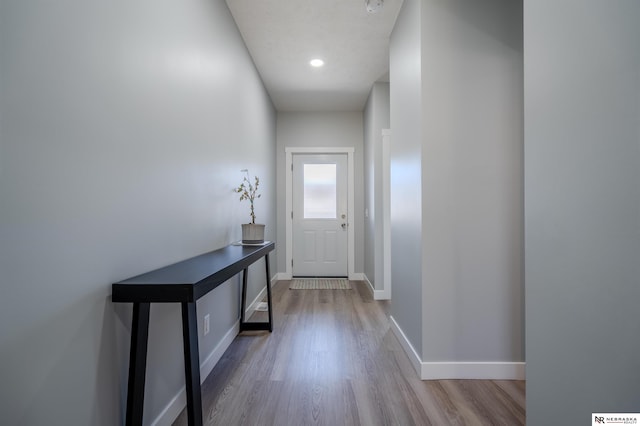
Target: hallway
(333,360)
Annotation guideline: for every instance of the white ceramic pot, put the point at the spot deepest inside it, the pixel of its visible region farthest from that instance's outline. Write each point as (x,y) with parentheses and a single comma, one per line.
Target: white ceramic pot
(252,233)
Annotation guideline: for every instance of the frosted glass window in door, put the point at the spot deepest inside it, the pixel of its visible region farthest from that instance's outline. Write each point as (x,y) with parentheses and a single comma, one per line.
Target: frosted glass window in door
(320,191)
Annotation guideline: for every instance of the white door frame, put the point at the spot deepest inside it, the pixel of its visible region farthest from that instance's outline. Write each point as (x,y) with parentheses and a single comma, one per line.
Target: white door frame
(289,151)
(385,294)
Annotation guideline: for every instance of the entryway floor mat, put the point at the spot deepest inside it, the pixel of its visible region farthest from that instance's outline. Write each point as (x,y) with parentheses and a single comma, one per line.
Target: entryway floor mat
(320,284)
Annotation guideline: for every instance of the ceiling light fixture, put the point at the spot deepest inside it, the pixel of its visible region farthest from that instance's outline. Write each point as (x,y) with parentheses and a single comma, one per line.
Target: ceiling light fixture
(316,63)
(373,6)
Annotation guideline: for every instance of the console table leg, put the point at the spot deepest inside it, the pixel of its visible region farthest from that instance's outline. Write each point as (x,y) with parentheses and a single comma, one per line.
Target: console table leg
(137,363)
(243,302)
(255,325)
(191,363)
(266,262)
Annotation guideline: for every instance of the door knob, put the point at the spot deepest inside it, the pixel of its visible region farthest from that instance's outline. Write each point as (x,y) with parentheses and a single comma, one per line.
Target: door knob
(344,226)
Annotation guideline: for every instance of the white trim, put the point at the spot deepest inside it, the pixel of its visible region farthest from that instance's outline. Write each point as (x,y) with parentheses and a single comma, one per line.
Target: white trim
(414,358)
(249,310)
(458,370)
(384,294)
(173,409)
(382,225)
(357,276)
(366,280)
(473,370)
(206,367)
(289,151)
(377,294)
(179,401)
(280,276)
(386,215)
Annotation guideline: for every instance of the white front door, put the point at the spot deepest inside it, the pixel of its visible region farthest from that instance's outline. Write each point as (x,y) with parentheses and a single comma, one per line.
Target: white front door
(320,215)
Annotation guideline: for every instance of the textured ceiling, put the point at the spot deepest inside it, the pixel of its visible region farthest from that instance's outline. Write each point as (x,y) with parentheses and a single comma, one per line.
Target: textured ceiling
(284,35)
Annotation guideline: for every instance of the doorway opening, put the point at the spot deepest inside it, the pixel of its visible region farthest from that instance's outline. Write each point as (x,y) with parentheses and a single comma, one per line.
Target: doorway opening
(320,212)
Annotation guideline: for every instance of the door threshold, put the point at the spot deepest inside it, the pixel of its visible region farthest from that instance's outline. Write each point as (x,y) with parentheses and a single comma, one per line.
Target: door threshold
(295,277)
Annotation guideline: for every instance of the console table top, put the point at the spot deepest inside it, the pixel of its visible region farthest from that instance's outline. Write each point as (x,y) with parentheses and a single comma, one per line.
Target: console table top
(190,279)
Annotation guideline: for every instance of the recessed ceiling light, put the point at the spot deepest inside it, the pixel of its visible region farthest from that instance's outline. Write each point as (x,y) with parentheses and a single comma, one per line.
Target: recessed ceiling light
(316,63)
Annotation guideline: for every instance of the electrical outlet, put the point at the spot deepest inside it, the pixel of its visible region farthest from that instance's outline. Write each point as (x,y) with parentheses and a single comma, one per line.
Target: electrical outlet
(205,329)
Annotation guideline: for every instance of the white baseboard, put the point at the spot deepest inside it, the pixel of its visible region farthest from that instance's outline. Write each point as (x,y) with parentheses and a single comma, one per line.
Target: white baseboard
(357,276)
(252,306)
(179,401)
(473,370)
(458,370)
(283,276)
(381,295)
(414,358)
(366,280)
(377,294)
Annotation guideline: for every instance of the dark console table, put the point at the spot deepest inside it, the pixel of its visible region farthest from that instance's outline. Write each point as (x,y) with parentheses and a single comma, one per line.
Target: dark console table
(184,282)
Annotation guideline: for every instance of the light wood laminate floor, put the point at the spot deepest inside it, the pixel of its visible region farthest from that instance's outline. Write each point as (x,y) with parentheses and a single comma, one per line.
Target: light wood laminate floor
(332,359)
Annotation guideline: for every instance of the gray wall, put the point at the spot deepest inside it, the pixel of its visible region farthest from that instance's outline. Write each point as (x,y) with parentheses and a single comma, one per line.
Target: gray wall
(582,146)
(124,126)
(321,129)
(472,181)
(406,172)
(457,179)
(376,117)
